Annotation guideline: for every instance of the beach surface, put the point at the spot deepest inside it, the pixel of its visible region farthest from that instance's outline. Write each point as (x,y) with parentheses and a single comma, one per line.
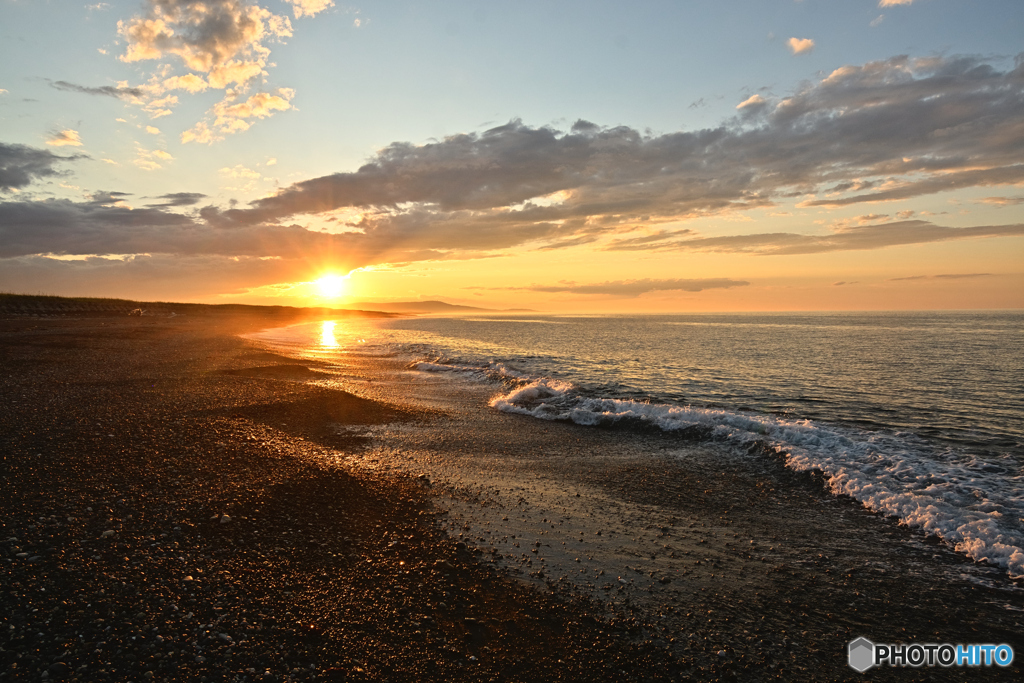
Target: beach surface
(182,504)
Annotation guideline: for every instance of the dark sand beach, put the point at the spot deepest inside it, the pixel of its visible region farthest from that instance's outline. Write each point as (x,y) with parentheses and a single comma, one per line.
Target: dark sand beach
(181,504)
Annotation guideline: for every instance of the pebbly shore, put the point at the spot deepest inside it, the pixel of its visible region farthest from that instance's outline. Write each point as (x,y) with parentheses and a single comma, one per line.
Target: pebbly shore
(172,509)
(181,504)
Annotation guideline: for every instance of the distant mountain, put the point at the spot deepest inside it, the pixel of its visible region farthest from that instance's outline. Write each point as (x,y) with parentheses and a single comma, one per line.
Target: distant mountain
(432,307)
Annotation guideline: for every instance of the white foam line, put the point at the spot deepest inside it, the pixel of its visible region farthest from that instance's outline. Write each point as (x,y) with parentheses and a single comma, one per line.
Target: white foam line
(978,514)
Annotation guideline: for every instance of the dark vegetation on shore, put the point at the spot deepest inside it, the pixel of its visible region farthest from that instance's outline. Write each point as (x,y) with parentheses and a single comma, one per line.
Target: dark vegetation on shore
(172,509)
(46,305)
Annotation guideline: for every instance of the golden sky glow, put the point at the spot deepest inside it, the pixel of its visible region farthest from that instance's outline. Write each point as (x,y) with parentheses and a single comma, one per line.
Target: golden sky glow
(789,156)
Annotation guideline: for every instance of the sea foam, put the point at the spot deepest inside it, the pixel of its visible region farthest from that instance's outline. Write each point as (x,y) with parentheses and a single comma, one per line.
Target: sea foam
(974,506)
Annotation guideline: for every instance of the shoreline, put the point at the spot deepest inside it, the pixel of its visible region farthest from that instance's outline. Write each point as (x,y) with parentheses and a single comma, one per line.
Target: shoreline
(343,548)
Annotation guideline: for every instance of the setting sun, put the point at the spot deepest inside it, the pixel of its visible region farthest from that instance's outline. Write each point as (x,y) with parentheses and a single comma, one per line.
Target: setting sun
(331,286)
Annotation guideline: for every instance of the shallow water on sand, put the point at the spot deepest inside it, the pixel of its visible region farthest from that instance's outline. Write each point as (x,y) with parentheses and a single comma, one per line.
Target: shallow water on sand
(918,416)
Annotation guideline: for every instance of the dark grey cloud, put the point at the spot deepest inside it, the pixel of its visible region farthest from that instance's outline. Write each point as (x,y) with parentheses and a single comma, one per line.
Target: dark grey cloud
(180,199)
(886,130)
(634,288)
(20,165)
(104,90)
(100,226)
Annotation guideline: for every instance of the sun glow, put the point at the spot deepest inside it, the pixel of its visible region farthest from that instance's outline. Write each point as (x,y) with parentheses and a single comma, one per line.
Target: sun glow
(331,286)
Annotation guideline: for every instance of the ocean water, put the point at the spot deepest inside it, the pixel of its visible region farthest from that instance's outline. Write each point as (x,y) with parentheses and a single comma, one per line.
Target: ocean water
(918,416)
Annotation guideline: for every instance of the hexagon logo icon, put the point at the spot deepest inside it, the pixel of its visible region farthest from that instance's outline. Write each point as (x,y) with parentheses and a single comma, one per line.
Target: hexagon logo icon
(862,654)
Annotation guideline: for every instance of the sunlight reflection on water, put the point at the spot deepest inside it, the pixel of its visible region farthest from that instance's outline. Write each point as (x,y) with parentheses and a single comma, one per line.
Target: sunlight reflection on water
(327,338)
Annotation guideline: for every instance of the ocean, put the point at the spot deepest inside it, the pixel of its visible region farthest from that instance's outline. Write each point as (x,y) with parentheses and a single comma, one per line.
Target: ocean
(919,416)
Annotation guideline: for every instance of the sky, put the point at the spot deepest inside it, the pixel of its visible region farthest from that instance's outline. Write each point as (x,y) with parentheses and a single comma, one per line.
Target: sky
(740,155)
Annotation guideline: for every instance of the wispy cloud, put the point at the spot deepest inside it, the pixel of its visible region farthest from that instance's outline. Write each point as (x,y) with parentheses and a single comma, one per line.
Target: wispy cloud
(65,138)
(944,276)
(633,288)
(121,91)
(853,238)
(1003,201)
(893,3)
(151,160)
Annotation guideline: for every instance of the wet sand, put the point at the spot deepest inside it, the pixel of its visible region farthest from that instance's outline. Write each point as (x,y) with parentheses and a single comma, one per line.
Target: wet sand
(383,524)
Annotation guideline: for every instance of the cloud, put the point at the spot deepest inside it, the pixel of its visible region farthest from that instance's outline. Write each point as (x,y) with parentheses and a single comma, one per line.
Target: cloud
(882,131)
(877,20)
(223,45)
(844,239)
(635,288)
(231,116)
(893,3)
(944,276)
(656,240)
(800,45)
(106,224)
(69,138)
(240,171)
(180,199)
(869,133)
(151,275)
(20,165)
(189,83)
(308,8)
(151,160)
(752,102)
(118,91)
(204,35)
(152,130)
(1003,201)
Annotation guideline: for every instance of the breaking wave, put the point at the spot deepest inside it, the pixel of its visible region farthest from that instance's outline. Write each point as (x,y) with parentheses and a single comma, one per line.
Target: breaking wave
(974,505)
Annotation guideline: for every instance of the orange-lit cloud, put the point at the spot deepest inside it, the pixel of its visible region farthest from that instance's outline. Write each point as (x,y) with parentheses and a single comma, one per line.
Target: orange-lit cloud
(308,8)
(69,138)
(520,187)
(800,46)
(224,45)
(754,101)
(233,116)
(205,35)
